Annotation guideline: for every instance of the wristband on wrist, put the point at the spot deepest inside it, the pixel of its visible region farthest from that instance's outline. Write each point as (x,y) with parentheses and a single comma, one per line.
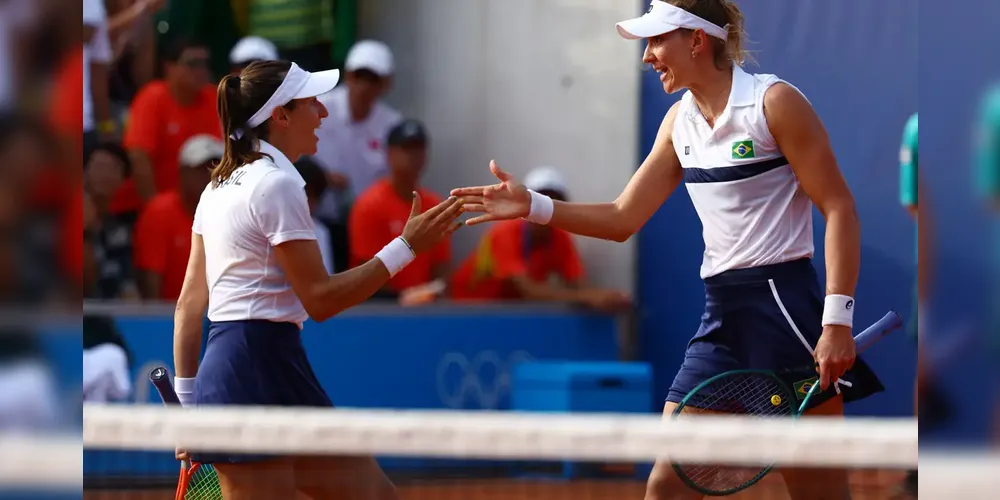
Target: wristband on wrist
(838,310)
(396,255)
(184,387)
(541,208)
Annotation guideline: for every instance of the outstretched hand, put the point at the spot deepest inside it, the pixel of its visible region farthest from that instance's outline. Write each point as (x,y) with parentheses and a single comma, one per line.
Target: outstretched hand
(424,230)
(507,200)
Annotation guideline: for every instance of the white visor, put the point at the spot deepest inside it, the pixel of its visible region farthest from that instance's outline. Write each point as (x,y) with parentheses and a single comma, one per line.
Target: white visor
(298,84)
(662,18)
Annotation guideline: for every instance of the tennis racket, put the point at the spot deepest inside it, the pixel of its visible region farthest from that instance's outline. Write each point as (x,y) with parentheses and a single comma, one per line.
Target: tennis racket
(196,481)
(758,393)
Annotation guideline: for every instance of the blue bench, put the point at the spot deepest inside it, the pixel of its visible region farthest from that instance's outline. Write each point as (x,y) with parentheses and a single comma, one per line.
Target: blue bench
(557,386)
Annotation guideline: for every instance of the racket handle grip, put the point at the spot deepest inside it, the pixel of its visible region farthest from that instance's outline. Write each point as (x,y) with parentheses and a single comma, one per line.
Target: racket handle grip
(874,333)
(160,378)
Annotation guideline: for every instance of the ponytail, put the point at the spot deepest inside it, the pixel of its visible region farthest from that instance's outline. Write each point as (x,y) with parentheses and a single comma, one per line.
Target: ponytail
(240,147)
(721,13)
(239,97)
(736,36)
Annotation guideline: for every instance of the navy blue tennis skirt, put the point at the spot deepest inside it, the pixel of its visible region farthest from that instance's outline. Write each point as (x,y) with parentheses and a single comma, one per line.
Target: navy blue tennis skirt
(255,362)
(744,327)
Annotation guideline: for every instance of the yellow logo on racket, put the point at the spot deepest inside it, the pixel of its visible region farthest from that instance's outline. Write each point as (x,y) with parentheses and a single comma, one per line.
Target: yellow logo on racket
(776,400)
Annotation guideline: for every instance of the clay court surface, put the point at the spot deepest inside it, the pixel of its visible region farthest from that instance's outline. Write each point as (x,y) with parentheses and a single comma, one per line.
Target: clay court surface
(865,485)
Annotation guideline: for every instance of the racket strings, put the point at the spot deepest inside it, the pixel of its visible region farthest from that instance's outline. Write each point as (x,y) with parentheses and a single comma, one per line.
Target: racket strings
(204,485)
(752,395)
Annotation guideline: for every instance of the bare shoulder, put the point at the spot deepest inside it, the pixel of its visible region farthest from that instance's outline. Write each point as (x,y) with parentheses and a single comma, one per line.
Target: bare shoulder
(783,101)
(667,125)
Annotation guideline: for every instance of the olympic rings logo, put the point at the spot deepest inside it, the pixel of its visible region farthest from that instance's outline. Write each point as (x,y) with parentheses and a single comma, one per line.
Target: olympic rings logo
(479,383)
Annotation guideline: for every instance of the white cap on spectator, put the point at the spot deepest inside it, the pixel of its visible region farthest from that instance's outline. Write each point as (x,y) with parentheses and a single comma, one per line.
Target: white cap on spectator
(546,179)
(372,55)
(253,48)
(201,149)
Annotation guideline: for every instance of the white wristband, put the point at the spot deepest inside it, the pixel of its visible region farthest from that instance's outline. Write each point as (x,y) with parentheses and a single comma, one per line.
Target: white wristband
(184,387)
(838,310)
(396,255)
(541,208)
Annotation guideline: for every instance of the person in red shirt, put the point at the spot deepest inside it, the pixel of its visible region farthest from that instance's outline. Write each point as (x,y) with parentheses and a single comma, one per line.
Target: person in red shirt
(163,232)
(381,211)
(520,260)
(164,114)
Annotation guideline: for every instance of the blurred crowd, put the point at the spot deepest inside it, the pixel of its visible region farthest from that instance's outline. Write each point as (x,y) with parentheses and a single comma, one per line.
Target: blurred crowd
(151,135)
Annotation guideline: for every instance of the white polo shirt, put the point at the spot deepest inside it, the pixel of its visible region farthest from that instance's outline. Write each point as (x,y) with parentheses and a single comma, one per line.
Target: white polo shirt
(356,150)
(261,205)
(752,209)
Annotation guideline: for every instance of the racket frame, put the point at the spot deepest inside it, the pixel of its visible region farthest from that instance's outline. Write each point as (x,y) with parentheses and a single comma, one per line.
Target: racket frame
(160,378)
(890,322)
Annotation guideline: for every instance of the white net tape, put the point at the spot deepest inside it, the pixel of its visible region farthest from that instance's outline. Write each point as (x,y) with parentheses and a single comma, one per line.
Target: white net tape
(486,435)
(855,443)
(41,462)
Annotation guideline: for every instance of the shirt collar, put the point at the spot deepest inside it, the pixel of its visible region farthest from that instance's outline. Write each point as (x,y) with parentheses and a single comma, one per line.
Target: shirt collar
(280,160)
(742,93)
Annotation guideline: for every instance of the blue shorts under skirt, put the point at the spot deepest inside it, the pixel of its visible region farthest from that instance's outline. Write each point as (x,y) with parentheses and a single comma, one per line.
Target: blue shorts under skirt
(744,327)
(255,362)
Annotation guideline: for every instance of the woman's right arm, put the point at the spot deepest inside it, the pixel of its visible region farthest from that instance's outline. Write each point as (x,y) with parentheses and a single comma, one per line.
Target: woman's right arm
(655,180)
(286,221)
(190,312)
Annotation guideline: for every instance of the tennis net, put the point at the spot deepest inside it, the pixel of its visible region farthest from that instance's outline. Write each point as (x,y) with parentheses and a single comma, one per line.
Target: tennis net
(128,450)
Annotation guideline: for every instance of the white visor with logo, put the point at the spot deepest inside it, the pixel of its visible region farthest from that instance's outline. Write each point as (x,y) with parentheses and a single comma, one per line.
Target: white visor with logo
(298,84)
(662,18)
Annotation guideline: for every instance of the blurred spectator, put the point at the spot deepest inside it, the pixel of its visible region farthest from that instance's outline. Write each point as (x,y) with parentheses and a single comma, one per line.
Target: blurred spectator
(987,163)
(316,185)
(67,106)
(164,114)
(16,17)
(110,275)
(351,145)
(28,395)
(248,50)
(163,232)
(520,260)
(97,123)
(27,237)
(212,23)
(105,361)
(382,210)
(301,29)
(988,147)
(133,43)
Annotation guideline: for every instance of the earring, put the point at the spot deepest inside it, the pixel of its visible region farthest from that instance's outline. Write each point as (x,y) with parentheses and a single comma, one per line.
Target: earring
(693,54)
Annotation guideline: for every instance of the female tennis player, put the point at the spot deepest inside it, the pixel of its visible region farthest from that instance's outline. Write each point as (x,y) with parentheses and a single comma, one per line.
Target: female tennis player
(256,267)
(754,157)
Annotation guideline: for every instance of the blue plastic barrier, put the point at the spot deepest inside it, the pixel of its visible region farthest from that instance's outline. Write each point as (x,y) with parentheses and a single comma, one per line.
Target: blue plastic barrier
(582,387)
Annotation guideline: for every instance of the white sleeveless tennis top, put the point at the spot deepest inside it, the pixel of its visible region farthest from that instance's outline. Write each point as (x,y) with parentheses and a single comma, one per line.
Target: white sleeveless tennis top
(753,211)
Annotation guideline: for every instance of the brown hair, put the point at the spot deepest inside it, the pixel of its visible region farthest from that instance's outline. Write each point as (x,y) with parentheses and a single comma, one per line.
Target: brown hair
(721,13)
(239,97)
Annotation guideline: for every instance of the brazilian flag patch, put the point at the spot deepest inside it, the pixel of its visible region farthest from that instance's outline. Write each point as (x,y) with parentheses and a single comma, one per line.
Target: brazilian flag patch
(743,150)
(802,387)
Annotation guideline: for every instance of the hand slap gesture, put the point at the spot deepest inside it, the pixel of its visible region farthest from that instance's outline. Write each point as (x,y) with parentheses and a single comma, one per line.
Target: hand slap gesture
(507,200)
(425,230)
